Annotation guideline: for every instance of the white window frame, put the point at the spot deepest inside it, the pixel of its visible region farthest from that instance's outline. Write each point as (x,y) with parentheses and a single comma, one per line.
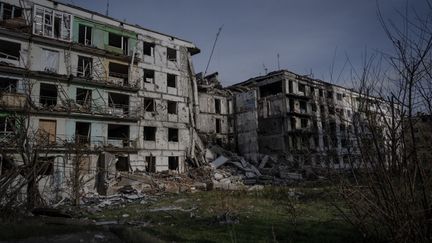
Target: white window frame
(43,25)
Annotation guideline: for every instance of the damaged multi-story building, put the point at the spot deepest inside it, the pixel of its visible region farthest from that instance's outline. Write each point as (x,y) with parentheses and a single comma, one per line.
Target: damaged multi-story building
(299,119)
(124,92)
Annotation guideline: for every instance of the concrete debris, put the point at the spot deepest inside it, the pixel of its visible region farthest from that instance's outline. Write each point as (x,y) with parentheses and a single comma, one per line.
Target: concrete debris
(221,160)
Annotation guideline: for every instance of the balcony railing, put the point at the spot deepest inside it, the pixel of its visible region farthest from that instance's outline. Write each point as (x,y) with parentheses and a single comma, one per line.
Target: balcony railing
(54,104)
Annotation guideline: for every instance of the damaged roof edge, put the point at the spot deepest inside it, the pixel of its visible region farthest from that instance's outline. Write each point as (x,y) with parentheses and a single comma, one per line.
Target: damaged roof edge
(193,50)
(282,72)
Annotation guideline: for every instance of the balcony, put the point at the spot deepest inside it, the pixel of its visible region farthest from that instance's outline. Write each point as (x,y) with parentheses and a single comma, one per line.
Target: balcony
(66,107)
(13,101)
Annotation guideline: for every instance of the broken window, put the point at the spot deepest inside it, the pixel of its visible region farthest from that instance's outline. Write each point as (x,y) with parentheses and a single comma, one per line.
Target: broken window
(84,97)
(303,107)
(51,23)
(8,11)
(329,95)
(151,164)
(172,134)
(45,166)
(338,96)
(119,103)
(150,133)
(172,107)
(149,104)
(291,105)
(302,88)
(7,125)
(331,110)
(82,132)
(50,60)
(271,89)
(321,93)
(149,48)
(171,80)
(173,162)
(47,131)
(118,41)
(218,125)
(118,135)
(119,71)
(8,85)
(217,103)
(122,163)
(85,67)
(293,123)
(314,107)
(84,34)
(48,94)
(10,50)
(149,76)
(171,54)
(304,123)
(290,86)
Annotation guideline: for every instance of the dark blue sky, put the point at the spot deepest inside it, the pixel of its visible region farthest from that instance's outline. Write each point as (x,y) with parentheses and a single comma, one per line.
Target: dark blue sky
(305,33)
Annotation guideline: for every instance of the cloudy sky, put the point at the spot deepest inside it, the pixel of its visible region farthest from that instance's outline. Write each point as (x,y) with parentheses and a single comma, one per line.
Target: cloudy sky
(307,34)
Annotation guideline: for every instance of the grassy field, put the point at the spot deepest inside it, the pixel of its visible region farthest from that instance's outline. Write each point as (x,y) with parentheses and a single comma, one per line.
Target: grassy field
(271,215)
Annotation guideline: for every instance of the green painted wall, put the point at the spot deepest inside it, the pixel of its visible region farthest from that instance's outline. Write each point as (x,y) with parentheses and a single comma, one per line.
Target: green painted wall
(100,33)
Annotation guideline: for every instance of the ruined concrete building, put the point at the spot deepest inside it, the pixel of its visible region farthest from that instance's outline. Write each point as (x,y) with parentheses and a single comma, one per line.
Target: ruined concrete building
(303,120)
(89,79)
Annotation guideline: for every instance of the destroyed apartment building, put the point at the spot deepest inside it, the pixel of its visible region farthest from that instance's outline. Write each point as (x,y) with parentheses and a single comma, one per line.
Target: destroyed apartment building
(93,94)
(122,92)
(303,121)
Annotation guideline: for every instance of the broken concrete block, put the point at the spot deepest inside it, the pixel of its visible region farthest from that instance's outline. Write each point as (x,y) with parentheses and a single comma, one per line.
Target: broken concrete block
(200,186)
(218,176)
(256,188)
(221,160)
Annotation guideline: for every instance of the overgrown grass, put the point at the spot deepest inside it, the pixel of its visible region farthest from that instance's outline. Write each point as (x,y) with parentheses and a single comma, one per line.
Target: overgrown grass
(271,215)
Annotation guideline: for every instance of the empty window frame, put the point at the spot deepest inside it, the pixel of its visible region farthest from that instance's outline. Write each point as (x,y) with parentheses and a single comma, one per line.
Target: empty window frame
(173,135)
(218,125)
(8,11)
(82,132)
(118,41)
(149,104)
(85,67)
(338,96)
(8,85)
(172,107)
(217,104)
(119,103)
(119,133)
(48,94)
(149,133)
(151,164)
(84,34)
(10,50)
(84,97)
(45,166)
(303,107)
(122,163)
(149,76)
(149,48)
(171,54)
(304,123)
(171,80)
(173,163)
(50,60)
(119,71)
(51,23)
(271,89)
(302,88)
(7,125)
(329,94)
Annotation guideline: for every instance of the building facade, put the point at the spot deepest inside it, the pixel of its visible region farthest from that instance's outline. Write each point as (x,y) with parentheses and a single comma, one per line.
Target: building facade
(84,78)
